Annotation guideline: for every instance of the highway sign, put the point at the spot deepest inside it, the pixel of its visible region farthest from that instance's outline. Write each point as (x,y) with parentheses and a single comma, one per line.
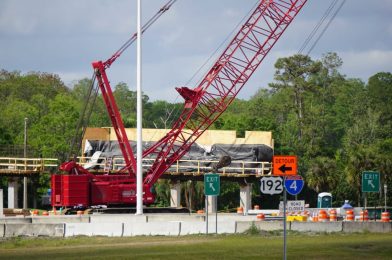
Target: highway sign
(271,185)
(211,184)
(284,165)
(370,181)
(293,184)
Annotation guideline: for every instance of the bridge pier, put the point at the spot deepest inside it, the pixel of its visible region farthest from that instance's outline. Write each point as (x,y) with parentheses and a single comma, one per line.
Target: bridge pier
(175,194)
(13,193)
(246,197)
(1,204)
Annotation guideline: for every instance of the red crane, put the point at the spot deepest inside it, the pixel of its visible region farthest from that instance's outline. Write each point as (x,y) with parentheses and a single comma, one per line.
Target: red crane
(203,105)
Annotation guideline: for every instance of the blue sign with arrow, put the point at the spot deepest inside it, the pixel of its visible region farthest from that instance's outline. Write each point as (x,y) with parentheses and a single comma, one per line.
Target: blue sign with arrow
(293,184)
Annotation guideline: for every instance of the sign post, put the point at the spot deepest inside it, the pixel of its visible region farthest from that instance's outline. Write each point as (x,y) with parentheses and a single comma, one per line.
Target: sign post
(284,224)
(211,188)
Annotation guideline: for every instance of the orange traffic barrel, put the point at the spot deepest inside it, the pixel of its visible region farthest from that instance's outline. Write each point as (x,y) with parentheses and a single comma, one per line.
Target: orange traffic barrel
(385,216)
(350,215)
(364,215)
(240,210)
(333,215)
(34,212)
(256,207)
(260,216)
(45,213)
(200,211)
(79,212)
(315,217)
(322,216)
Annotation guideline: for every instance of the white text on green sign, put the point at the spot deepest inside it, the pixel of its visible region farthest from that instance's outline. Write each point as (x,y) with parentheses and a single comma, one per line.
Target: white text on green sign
(211,184)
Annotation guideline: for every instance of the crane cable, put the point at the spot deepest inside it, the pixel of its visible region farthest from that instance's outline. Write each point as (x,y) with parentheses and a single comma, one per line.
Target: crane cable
(318,26)
(147,25)
(228,37)
(304,45)
(326,27)
(92,91)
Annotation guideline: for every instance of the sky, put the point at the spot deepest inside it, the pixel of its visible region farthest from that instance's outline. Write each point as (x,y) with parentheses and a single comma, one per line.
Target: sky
(64,37)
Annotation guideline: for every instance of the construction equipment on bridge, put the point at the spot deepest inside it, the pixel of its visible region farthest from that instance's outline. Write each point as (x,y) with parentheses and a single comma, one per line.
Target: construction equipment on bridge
(202,107)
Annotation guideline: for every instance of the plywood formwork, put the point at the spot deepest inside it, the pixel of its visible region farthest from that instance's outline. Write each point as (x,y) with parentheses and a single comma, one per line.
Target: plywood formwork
(210,137)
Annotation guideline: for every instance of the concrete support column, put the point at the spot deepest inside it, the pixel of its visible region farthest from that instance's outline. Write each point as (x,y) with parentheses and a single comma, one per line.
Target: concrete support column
(246,197)
(12,193)
(1,204)
(212,204)
(175,194)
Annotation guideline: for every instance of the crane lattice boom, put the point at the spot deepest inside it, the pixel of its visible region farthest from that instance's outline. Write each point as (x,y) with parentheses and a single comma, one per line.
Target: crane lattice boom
(205,103)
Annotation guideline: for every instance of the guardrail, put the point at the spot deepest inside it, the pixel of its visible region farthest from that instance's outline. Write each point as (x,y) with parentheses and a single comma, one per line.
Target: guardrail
(194,167)
(21,166)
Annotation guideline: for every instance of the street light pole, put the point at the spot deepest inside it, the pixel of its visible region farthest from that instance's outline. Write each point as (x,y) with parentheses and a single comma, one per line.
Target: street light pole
(25,156)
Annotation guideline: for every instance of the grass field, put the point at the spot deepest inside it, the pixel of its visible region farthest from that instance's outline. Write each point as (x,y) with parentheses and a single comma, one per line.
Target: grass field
(264,246)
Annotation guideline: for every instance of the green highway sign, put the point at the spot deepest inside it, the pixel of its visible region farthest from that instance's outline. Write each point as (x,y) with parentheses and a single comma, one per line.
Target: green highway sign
(211,184)
(370,181)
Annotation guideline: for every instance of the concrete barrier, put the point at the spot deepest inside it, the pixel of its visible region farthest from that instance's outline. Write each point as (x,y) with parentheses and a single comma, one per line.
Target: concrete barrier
(224,227)
(2,229)
(174,217)
(152,229)
(118,218)
(379,227)
(15,220)
(242,226)
(93,229)
(233,217)
(317,226)
(61,219)
(35,230)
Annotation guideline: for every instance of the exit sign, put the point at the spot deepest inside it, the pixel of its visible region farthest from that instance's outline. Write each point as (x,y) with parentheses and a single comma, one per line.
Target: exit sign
(370,181)
(211,184)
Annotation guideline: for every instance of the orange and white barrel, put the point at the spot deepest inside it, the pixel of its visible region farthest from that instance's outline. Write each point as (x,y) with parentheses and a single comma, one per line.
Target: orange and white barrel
(364,215)
(350,215)
(322,216)
(240,210)
(260,216)
(333,215)
(385,216)
(315,217)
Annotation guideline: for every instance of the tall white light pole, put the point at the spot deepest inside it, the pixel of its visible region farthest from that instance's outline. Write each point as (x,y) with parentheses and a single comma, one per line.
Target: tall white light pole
(25,156)
(139,173)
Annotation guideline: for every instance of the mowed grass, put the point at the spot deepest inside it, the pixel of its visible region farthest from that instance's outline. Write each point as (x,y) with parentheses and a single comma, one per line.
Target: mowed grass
(264,246)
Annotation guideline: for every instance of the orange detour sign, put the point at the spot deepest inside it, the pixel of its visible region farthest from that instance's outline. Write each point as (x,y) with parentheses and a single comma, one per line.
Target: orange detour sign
(284,165)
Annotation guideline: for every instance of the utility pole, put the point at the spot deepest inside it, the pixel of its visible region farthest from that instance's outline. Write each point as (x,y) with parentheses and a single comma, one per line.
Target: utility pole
(25,157)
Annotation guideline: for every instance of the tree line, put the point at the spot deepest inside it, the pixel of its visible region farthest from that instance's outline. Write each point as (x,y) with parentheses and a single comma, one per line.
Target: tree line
(337,126)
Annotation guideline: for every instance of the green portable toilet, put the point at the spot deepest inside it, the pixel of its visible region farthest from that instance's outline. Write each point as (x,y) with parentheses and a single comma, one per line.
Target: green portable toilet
(324,200)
